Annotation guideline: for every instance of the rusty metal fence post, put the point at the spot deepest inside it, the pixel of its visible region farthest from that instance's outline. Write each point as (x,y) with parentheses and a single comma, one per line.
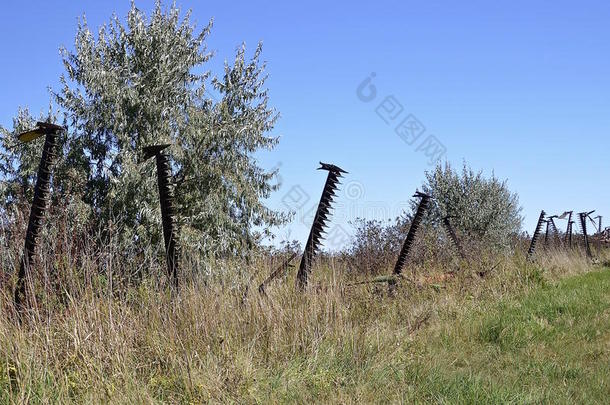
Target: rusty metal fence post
(39,204)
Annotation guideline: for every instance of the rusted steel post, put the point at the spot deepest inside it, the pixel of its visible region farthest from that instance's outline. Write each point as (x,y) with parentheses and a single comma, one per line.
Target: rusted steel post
(276,273)
(453,236)
(415,223)
(546,234)
(536,235)
(312,246)
(39,204)
(168,207)
(583,224)
(570,226)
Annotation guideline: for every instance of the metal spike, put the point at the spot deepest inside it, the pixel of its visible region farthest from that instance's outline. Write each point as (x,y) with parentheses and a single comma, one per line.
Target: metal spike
(312,246)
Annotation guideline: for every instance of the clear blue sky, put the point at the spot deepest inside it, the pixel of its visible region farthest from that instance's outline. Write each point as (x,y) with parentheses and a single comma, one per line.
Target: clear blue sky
(521,88)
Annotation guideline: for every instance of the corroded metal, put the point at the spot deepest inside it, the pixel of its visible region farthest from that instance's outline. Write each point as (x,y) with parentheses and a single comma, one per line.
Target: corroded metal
(569,232)
(567,239)
(415,223)
(599,223)
(281,270)
(453,236)
(40,202)
(536,235)
(551,223)
(583,225)
(168,207)
(312,246)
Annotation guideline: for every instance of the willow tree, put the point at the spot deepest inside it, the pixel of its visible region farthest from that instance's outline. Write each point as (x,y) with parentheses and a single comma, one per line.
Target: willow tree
(143,80)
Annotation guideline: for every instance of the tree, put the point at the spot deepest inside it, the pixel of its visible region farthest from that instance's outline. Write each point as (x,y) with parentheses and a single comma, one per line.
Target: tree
(143,82)
(483,208)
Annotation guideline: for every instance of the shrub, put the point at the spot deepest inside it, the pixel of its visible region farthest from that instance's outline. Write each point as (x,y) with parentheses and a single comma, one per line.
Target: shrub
(483,209)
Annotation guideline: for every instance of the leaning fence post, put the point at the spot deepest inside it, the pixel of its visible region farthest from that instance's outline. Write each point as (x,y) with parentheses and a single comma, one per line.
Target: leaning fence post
(39,204)
(168,207)
(319,222)
(536,235)
(415,223)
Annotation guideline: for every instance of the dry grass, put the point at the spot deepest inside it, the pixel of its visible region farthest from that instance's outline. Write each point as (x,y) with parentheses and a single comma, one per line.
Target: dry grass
(332,344)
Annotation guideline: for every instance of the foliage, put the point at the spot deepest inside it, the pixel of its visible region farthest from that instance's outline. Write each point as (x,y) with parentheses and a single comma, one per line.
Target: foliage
(144,81)
(375,245)
(483,209)
(520,335)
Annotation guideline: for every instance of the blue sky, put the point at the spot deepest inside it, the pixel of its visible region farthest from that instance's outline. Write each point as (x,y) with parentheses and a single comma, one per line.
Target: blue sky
(520,88)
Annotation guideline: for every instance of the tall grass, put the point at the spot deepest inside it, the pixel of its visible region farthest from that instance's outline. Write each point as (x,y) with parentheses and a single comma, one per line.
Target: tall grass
(103,329)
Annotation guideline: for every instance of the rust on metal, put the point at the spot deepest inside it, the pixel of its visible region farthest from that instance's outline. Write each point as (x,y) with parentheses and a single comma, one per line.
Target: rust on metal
(536,235)
(567,238)
(280,271)
(583,225)
(39,204)
(312,246)
(453,237)
(570,227)
(168,207)
(599,223)
(422,207)
(551,223)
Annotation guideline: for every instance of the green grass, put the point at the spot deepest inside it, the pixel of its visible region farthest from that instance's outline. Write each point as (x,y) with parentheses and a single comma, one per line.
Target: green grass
(551,345)
(525,334)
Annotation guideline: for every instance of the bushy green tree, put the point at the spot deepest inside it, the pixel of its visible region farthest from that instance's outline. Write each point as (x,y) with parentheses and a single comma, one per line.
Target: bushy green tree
(479,207)
(143,81)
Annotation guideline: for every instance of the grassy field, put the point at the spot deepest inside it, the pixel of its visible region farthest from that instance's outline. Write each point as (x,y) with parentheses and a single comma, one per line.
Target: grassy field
(551,345)
(524,334)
